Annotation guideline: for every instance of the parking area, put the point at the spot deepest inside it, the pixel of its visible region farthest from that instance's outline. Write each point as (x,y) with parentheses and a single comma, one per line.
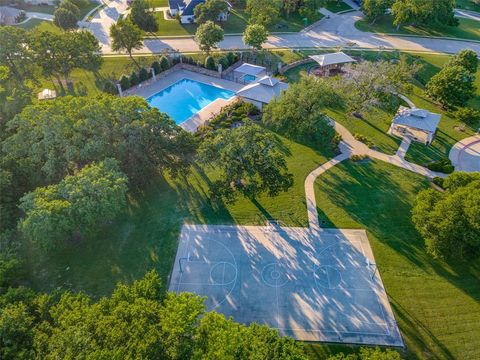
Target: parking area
(311,285)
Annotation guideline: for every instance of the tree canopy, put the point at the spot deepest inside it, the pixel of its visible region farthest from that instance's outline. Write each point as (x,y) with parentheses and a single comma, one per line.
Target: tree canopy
(466,58)
(126,36)
(59,54)
(299,112)
(50,140)
(208,35)
(424,12)
(372,9)
(450,221)
(141,16)
(75,206)
(255,35)
(250,160)
(264,12)
(136,322)
(453,86)
(209,11)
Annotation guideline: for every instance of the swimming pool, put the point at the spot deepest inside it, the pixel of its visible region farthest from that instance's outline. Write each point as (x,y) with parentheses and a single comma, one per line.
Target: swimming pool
(186,97)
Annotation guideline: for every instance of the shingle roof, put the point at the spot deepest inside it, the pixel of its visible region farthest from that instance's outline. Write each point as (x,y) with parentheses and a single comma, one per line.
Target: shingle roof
(332,58)
(187,5)
(417,118)
(250,69)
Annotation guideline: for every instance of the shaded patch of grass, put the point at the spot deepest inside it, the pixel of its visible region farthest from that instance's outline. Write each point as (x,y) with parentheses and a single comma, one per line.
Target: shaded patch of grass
(467,28)
(337,6)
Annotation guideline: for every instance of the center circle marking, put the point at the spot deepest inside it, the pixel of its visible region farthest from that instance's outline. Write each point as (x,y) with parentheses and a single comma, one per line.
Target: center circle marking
(274,275)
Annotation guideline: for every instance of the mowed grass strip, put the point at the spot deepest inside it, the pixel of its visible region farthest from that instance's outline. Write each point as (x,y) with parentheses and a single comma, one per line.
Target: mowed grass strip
(437,305)
(467,29)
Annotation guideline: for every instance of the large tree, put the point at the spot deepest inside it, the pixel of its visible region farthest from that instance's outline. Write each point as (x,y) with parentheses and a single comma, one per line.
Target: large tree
(65,19)
(126,36)
(15,53)
(264,12)
(370,84)
(466,58)
(59,54)
(255,35)
(453,86)
(49,140)
(210,10)
(77,205)
(450,221)
(250,159)
(424,12)
(141,16)
(372,9)
(299,112)
(208,35)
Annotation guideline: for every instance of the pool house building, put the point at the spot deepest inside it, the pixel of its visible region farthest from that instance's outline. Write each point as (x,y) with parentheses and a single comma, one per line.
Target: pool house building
(248,73)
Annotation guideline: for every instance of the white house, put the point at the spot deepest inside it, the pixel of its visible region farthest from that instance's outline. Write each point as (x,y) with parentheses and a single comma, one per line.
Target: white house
(185,9)
(417,124)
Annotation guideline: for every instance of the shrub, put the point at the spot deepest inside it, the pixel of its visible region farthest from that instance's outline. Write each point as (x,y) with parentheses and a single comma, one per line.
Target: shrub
(356,157)
(125,82)
(70,6)
(164,63)
(143,74)
(364,139)
(210,63)
(468,116)
(445,166)
(232,58)
(110,88)
(438,181)
(224,61)
(22,16)
(134,79)
(156,67)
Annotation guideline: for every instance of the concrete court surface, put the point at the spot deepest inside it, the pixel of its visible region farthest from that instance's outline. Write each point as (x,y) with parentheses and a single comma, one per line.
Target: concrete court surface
(309,284)
(465,155)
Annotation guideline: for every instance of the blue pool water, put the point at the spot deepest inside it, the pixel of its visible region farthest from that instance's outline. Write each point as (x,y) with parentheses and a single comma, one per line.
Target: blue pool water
(186,97)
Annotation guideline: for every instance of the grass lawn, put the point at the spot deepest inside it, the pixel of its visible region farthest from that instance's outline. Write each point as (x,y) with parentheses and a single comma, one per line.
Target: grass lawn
(468,29)
(236,24)
(46,9)
(158,3)
(84,10)
(146,237)
(40,25)
(436,304)
(336,6)
(468,5)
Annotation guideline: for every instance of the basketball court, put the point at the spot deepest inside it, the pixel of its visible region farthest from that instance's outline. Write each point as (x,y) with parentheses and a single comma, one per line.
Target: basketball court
(311,285)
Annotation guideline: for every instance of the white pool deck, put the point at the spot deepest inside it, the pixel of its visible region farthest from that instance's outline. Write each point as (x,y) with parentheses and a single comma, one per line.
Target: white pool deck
(204,114)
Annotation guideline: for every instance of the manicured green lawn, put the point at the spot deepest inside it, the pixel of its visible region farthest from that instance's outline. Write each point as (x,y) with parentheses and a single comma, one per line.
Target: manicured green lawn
(40,25)
(468,5)
(336,6)
(158,3)
(84,10)
(436,304)
(46,9)
(468,29)
(146,237)
(236,24)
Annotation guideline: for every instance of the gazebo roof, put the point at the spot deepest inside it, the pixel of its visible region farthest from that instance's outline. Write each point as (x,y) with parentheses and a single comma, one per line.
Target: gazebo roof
(263,90)
(332,59)
(250,69)
(417,118)
(46,94)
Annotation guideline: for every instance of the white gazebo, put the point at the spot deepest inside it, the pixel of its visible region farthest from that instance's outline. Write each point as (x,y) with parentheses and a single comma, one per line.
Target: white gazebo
(332,61)
(417,124)
(47,94)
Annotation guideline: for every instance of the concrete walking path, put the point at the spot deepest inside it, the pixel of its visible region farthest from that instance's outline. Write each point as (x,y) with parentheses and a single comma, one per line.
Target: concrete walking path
(350,146)
(467,14)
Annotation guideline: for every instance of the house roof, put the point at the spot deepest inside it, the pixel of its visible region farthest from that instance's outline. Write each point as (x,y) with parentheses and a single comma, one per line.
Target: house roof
(332,59)
(250,69)
(263,90)
(417,118)
(186,5)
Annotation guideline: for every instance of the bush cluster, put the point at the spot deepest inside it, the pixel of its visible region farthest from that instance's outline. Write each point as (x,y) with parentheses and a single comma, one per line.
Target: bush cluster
(236,113)
(365,140)
(444,165)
